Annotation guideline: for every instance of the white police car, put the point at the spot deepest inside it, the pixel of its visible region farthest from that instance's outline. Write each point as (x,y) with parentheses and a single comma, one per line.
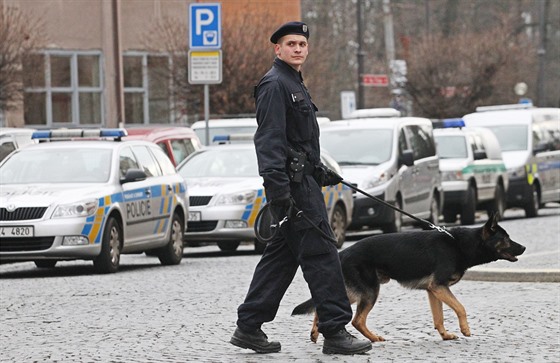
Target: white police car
(226,194)
(473,172)
(91,199)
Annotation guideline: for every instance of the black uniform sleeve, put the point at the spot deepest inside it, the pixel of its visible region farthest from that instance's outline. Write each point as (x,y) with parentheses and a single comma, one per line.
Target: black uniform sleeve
(270,138)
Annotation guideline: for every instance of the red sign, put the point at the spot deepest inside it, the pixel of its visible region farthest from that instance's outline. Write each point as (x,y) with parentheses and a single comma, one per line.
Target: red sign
(375,80)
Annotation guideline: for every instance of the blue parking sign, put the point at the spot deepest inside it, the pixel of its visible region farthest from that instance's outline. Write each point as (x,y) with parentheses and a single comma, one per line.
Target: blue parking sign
(205,26)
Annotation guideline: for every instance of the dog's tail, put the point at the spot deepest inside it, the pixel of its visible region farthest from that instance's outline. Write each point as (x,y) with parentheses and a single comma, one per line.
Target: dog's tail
(304,308)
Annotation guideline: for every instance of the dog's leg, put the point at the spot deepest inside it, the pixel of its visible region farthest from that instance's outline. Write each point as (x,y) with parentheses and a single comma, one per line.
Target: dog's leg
(359,321)
(437,314)
(315,329)
(443,294)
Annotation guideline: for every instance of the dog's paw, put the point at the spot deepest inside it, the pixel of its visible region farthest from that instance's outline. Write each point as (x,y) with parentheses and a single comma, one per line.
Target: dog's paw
(448,336)
(378,338)
(314,336)
(466,332)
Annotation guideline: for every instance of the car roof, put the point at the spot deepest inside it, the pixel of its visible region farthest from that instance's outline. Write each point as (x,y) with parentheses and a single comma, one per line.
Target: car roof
(98,144)
(510,116)
(247,121)
(156,133)
(15,130)
(376,123)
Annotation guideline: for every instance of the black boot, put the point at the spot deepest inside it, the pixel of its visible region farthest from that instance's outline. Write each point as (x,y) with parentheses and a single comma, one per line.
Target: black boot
(257,341)
(342,342)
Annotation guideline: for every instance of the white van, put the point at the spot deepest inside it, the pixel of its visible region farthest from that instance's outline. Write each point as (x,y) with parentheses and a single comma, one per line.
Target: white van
(392,158)
(530,141)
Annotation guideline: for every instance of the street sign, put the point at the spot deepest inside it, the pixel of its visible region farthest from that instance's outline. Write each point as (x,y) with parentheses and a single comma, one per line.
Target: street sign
(205,67)
(375,80)
(348,103)
(205,21)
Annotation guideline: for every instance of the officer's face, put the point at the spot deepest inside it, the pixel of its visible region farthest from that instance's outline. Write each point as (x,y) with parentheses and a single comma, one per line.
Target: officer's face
(292,49)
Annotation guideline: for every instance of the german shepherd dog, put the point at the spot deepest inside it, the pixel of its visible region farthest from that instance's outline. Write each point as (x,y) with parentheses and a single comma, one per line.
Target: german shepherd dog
(426,260)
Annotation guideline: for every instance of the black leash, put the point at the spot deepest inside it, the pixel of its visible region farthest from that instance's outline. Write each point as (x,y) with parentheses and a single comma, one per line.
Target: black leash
(423,221)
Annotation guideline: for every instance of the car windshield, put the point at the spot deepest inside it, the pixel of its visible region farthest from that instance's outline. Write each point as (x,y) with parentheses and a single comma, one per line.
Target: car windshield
(511,137)
(357,147)
(222,131)
(451,147)
(79,165)
(221,163)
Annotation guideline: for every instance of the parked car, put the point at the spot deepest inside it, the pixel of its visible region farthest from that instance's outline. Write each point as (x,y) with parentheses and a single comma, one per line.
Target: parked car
(392,158)
(91,200)
(232,126)
(12,138)
(226,194)
(529,138)
(176,141)
(473,172)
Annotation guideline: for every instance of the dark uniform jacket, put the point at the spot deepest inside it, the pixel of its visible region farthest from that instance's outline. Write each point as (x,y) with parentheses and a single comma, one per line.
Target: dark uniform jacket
(286,117)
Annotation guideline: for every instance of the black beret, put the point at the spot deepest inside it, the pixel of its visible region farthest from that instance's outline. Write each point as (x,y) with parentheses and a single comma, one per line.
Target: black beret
(293,27)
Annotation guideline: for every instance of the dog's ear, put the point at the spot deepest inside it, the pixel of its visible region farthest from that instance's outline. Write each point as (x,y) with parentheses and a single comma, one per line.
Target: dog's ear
(490,227)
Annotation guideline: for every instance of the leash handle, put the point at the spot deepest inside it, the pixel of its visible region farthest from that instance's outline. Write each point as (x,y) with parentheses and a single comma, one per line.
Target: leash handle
(423,221)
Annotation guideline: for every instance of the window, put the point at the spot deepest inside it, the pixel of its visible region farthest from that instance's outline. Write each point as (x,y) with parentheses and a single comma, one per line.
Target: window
(63,88)
(166,165)
(147,162)
(127,161)
(421,141)
(146,88)
(181,149)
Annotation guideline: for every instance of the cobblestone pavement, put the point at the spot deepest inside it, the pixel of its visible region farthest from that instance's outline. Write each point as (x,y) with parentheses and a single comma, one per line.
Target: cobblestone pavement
(186,313)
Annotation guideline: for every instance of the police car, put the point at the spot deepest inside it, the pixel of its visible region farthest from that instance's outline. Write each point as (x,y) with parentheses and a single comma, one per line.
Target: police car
(226,194)
(92,199)
(474,175)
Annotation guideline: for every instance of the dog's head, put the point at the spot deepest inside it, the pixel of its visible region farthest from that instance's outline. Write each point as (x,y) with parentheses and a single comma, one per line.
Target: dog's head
(497,240)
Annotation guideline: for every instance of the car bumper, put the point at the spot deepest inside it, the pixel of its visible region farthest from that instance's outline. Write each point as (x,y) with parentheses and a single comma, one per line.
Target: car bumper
(519,192)
(231,223)
(368,212)
(48,241)
(455,192)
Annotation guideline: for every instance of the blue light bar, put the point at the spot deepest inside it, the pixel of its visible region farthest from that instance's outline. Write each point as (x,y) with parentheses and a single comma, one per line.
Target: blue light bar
(453,122)
(79,133)
(220,138)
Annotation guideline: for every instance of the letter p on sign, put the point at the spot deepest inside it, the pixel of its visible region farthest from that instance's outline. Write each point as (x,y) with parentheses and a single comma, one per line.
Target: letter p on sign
(205,30)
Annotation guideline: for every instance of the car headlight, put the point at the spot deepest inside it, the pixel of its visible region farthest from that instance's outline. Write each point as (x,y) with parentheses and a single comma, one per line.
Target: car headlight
(376,180)
(453,175)
(516,172)
(245,197)
(84,208)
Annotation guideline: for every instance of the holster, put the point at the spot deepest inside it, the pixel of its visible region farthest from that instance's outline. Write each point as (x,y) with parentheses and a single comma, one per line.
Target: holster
(298,165)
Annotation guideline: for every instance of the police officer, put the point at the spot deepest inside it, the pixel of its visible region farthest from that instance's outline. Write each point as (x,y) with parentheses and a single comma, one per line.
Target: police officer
(287,145)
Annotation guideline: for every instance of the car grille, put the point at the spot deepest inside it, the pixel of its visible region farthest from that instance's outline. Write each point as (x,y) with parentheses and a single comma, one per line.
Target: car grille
(199,200)
(203,226)
(25,244)
(22,214)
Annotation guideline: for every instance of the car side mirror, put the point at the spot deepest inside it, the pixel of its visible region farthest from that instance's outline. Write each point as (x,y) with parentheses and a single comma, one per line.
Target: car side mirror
(539,148)
(134,175)
(406,158)
(479,155)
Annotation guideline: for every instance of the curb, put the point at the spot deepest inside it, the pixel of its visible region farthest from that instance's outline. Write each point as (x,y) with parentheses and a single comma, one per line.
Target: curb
(513,275)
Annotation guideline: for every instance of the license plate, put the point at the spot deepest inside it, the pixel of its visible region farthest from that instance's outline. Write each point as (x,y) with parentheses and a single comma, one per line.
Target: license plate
(194,216)
(25,231)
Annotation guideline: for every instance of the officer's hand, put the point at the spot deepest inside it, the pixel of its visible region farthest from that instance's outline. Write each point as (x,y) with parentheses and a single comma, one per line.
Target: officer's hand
(280,207)
(330,177)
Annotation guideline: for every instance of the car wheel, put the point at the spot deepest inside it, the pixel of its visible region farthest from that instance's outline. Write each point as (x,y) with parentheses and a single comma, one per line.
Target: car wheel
(434,211)
(532,206)
(498,205)
(228,246)
(109,258)
(45,263)
(338,225)
(469,208)
(396,225)
(172,253)
(450,215)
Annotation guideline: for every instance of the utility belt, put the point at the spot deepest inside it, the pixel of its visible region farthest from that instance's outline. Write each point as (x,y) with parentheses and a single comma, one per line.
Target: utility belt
(298,165)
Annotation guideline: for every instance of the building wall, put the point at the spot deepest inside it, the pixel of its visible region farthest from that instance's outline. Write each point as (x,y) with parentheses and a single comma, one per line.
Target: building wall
(87,25)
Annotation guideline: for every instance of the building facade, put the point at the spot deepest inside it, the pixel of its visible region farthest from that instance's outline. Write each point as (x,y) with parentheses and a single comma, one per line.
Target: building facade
(96,68)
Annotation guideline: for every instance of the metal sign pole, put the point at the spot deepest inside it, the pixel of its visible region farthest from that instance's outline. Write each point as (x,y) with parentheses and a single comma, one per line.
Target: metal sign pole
(207,111)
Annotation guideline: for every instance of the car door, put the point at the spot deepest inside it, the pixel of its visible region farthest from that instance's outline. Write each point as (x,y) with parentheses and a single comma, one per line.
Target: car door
(426,168)
(406,173)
